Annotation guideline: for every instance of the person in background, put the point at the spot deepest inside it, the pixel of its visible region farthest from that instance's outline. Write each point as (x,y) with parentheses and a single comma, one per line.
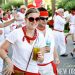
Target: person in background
(72,29)
(59,23)
(2,38)
(48,65)
(23,41)
(21,16)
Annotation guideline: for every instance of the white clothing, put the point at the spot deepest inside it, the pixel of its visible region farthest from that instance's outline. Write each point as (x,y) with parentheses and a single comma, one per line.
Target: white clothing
(66,14)
(60,42)
(2,35)
(59,24)
(1,40)
(6,30)
(21,19)
(1,64)
(13,26)
(46,70)
(22,50)
(49,37)
(72,23)
(48,57)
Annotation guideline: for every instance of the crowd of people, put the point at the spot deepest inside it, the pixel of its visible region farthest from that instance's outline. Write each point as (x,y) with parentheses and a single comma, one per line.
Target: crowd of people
(28,46)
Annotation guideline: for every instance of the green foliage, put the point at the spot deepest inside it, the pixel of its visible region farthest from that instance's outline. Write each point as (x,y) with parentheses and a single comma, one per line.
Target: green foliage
(66,4)
(49,10)
(9,4)
(70,5)
(66,29)
(0,2)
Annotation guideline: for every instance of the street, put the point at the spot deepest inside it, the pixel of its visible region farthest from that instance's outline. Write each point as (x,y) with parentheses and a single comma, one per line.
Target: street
(67,65)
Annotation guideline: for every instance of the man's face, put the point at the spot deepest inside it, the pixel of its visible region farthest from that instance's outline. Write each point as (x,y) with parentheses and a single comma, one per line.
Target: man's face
(43,20)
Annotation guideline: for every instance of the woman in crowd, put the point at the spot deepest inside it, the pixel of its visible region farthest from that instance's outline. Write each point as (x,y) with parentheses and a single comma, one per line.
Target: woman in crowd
(23,41)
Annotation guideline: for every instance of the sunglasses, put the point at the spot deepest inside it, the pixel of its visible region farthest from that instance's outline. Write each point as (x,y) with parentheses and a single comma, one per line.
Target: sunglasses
(31,19)
(42,18)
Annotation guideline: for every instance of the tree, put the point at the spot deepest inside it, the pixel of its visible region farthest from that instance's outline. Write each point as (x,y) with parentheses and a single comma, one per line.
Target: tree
(66,4)
(53,7)
(1,2)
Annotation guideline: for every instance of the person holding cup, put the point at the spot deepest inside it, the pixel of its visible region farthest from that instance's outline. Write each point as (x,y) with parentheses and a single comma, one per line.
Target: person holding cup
(23,41)
(47,66)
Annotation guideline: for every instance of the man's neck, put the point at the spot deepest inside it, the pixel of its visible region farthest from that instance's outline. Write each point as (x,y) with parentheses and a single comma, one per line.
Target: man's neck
(41,28)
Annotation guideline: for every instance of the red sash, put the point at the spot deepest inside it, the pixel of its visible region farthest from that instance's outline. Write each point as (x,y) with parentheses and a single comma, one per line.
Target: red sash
(53,65)
(23,72)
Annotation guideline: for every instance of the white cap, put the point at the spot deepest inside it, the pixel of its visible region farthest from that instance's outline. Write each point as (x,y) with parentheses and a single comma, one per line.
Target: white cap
(60,10)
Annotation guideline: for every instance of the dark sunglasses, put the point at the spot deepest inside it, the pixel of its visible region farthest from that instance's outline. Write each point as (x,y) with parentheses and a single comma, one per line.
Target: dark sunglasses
(31,19)
(42,18)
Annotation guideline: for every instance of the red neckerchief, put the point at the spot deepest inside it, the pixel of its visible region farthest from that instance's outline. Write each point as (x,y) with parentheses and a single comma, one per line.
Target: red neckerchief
(41,28)
(27,37)
(4,18)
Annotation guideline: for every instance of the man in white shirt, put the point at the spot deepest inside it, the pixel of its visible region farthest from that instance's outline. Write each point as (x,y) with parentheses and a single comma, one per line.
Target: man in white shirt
(59,23)
(72,29)
(46,67)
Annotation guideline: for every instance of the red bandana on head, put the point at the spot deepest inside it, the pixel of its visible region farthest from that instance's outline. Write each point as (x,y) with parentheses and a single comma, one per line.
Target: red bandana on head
(43,13)
(27,37)
(31,6)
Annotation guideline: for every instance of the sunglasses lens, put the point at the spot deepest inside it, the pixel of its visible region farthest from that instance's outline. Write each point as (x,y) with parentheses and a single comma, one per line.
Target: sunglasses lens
(31,19)
(46,18)
(37,19)
(42,18)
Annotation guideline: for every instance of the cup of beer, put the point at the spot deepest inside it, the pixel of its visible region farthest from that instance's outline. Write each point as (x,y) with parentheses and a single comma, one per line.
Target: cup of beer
(35,53)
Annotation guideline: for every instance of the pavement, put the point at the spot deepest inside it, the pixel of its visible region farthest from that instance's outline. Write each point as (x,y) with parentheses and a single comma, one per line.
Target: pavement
(67,65)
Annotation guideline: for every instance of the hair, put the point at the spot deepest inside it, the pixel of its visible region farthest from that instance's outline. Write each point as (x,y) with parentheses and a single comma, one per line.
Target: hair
(42,9)
(31,10)
(60,10)
(72,8)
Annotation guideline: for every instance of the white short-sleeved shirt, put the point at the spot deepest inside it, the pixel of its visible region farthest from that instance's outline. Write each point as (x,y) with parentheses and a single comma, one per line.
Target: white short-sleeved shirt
(48,57)
(72,20)
(6,29)
(59,23)
(72,23)
(21,18)
(22,50)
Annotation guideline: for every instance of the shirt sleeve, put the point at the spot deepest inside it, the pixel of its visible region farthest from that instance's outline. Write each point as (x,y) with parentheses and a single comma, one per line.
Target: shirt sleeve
(12,37)
(61,20)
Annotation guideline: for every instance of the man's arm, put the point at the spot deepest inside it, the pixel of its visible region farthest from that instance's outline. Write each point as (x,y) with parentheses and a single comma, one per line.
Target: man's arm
(6,23)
